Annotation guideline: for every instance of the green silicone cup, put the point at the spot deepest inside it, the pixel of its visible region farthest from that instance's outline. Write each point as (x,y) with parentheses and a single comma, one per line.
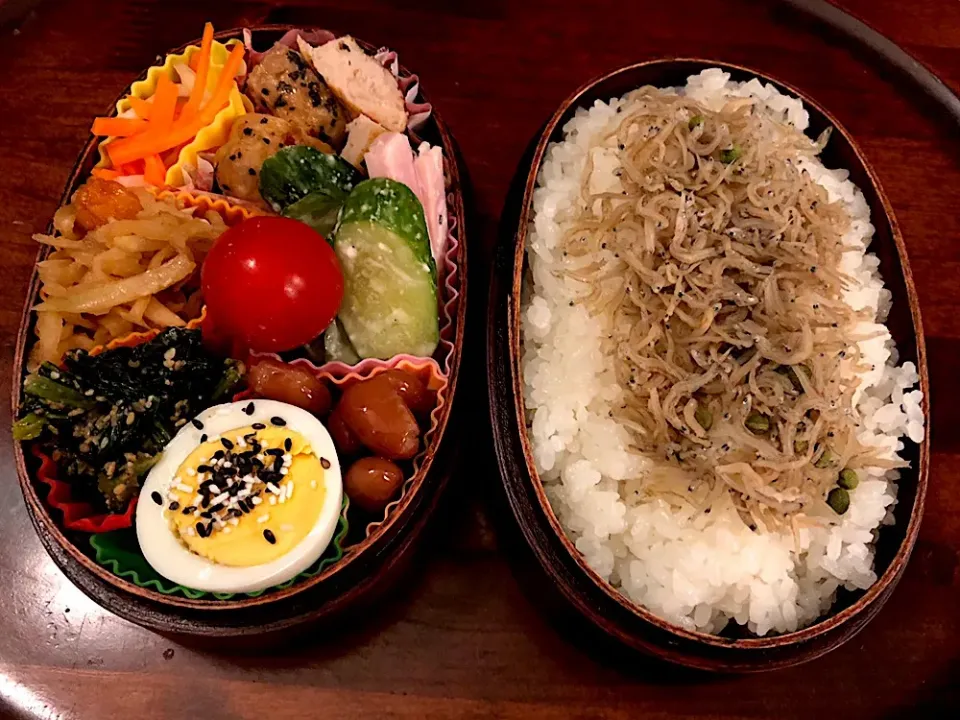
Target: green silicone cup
(119,552)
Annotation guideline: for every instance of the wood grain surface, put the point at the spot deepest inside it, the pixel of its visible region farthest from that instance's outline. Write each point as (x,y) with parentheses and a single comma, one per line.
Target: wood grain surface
(472,632)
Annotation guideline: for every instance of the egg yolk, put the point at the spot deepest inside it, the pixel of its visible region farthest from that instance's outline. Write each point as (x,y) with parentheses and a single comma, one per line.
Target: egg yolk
(238,508)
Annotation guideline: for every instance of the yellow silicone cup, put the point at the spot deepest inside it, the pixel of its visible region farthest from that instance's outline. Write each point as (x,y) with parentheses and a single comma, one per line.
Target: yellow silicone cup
(213,135)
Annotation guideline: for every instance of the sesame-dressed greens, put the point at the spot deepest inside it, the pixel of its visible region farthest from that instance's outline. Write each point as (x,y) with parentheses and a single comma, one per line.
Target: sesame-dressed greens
(104,419)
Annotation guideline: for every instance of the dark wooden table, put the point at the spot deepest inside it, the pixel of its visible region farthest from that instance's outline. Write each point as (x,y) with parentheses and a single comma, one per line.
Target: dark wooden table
(465,636)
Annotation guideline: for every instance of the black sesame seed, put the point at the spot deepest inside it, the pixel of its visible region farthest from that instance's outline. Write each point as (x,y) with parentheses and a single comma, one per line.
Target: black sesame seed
(278,421)
(207,514)
(274,451)
(288,444)
(205,501)
(174,506)
(155,496)
(204,469)
(249,409)
(201,529)
(251,171)
(263,121)
(189,509)
(249,131)
(266,141)
(324,463)
(228,444)
(197,424)
(265,91)
(259,426)
(203,438)
(269,537)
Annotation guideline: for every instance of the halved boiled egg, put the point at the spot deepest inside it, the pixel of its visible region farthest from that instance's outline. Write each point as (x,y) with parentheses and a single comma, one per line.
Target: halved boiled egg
(246,496)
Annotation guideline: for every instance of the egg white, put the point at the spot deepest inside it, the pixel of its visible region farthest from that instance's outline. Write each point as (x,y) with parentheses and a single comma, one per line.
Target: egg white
(169,557)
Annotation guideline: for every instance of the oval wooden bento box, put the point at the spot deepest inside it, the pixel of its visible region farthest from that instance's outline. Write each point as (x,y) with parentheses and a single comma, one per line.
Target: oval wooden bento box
(366,568)
(599,604)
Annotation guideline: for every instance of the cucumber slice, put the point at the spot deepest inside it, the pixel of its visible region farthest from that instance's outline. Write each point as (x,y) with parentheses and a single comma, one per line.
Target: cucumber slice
(299,170)
(318,210)
(392,205)
(390,296)
(337,347)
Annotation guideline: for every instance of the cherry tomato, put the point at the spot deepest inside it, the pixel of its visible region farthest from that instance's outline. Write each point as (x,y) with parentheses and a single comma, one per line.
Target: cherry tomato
(270,284)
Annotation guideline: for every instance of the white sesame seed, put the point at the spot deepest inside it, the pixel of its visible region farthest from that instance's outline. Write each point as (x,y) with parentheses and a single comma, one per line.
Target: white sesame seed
(289,489)
(287,459)
(177,480)
(243,493)
(273,500)
(264,518)
(287,527)
(313,484)
(284,471)
(227,464)
(183,487)
(191,531)
(256,500)
(273,488)
(234,521)
(214,489)
(227,530)
(240,442)
(191,472)
(219,498)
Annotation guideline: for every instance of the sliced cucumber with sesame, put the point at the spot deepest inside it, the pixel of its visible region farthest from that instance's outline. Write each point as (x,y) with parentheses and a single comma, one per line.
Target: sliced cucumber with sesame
(390,278)
(318,210)
(337,347)
(297,171)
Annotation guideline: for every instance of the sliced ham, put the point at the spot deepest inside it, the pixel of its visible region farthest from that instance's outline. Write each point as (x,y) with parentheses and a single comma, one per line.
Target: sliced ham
(433,196)
(390,156)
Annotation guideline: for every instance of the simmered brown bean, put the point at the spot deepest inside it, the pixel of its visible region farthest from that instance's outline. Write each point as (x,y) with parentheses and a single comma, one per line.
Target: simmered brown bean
(290,384)
(410,387)
(348,444)
(380,419)
(371,483)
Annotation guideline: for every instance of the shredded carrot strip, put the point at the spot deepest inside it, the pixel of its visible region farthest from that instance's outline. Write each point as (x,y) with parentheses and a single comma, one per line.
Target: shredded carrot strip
(203,71)
(118,127)
(149,142)
(154,171)
(140,106)
(164,105)
(105,173)
(132,168)
(166,128)
(224,84)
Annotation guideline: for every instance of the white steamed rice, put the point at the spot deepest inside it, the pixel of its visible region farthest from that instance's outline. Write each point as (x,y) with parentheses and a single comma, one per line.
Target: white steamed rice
(699,572)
